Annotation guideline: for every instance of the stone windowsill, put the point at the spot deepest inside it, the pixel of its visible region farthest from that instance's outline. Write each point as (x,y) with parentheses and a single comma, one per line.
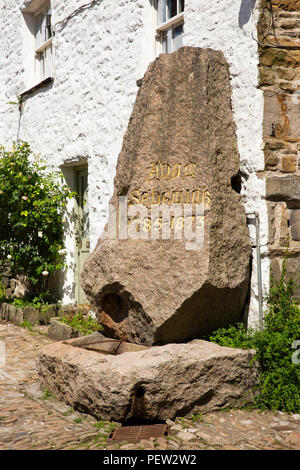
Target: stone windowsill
(34,88)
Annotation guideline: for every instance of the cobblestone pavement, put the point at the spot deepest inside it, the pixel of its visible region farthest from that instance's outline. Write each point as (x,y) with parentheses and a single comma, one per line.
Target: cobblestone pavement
(31,418)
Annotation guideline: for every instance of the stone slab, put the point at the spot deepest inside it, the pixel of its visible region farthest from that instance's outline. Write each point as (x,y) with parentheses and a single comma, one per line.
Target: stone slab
(9,312)
(180,149)
(283,188)
(98,342)
(281,115)
(157,383)
(36,316)
(295,224)
(59,331)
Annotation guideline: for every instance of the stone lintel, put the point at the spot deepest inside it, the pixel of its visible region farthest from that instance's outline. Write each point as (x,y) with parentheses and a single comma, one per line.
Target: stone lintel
(283,188)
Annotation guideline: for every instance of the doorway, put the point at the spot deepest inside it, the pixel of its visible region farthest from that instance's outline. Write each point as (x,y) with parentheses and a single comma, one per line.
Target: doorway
(82,238)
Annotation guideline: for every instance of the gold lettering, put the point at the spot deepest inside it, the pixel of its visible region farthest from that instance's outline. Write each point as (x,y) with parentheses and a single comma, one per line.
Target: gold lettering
(157,223)
(180,223)
(187,196)
(163,176)
(206,197)
(134,197)
(154,172)
(176,171)
(153,196)
(144,198)
(195,197)
(189,170)
(191,218)
(164,198)
(201,222)
(147,224)
(174,197)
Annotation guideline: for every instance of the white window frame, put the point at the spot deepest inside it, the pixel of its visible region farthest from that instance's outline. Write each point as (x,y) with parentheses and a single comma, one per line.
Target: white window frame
(167,26)
(43,49)
(34,52)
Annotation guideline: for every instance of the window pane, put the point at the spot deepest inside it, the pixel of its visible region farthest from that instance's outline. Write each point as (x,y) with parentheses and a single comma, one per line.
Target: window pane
(177,36)
(48,25)
(169,41)
(164,42)
(41,65)
(164,10)
(48,62)
(172,8)
(37,27)
(180,6)
(43,27)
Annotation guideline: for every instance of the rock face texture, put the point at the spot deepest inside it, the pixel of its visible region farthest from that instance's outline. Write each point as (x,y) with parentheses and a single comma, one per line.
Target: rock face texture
(157,383)
(179,149)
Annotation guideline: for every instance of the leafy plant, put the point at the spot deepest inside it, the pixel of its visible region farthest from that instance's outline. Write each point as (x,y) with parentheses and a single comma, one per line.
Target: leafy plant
(32,203)
(2,287)
(197,417)
(26,324)
(19,303)
(108,425)
(18,103)
(78,420)
(85,325)
(47,394)
(69,412)
(279,384)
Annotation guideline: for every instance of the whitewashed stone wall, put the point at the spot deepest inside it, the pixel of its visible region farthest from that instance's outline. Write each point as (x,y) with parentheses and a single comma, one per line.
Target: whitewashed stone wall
(99,54)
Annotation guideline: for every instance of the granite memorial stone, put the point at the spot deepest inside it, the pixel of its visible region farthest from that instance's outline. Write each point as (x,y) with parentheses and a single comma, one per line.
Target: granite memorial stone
(175,177)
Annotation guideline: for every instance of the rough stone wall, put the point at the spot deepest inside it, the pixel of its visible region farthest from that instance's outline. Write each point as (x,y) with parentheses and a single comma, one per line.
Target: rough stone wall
(12,286)
(7,284)
(279,37)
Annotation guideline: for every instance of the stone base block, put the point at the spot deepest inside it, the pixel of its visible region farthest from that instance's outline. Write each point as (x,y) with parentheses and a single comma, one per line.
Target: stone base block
(60,331)
(152,384)
(35,316)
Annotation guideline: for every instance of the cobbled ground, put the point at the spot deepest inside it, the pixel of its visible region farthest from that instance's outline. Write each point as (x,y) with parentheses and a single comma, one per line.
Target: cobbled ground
(32,418)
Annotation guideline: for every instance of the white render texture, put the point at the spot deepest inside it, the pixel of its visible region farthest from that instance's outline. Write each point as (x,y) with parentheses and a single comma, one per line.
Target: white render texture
(99,53)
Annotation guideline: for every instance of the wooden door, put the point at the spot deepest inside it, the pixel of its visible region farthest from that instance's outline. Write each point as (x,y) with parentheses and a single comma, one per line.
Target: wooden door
(82,230)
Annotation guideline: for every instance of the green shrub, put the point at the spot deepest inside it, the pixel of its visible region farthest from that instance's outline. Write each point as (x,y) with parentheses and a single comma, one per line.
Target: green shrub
(279,384)
(85,325)
(31,206)
(26,324)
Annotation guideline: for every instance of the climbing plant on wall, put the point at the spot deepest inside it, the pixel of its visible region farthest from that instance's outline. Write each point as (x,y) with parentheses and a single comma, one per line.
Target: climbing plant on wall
(32,203)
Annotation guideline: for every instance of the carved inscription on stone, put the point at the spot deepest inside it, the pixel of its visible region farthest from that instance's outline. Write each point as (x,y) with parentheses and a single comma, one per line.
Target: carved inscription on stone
(166,173)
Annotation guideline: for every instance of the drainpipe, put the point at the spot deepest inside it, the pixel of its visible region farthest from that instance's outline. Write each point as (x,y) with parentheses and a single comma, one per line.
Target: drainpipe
(258,264)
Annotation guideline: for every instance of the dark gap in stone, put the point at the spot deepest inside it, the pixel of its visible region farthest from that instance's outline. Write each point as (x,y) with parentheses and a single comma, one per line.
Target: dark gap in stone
(124,191)
(141,421)
(236,183)
(140,391)
(114,306)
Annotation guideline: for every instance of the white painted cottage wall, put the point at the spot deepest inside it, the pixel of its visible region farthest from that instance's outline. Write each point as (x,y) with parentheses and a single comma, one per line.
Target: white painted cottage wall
(99,54)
